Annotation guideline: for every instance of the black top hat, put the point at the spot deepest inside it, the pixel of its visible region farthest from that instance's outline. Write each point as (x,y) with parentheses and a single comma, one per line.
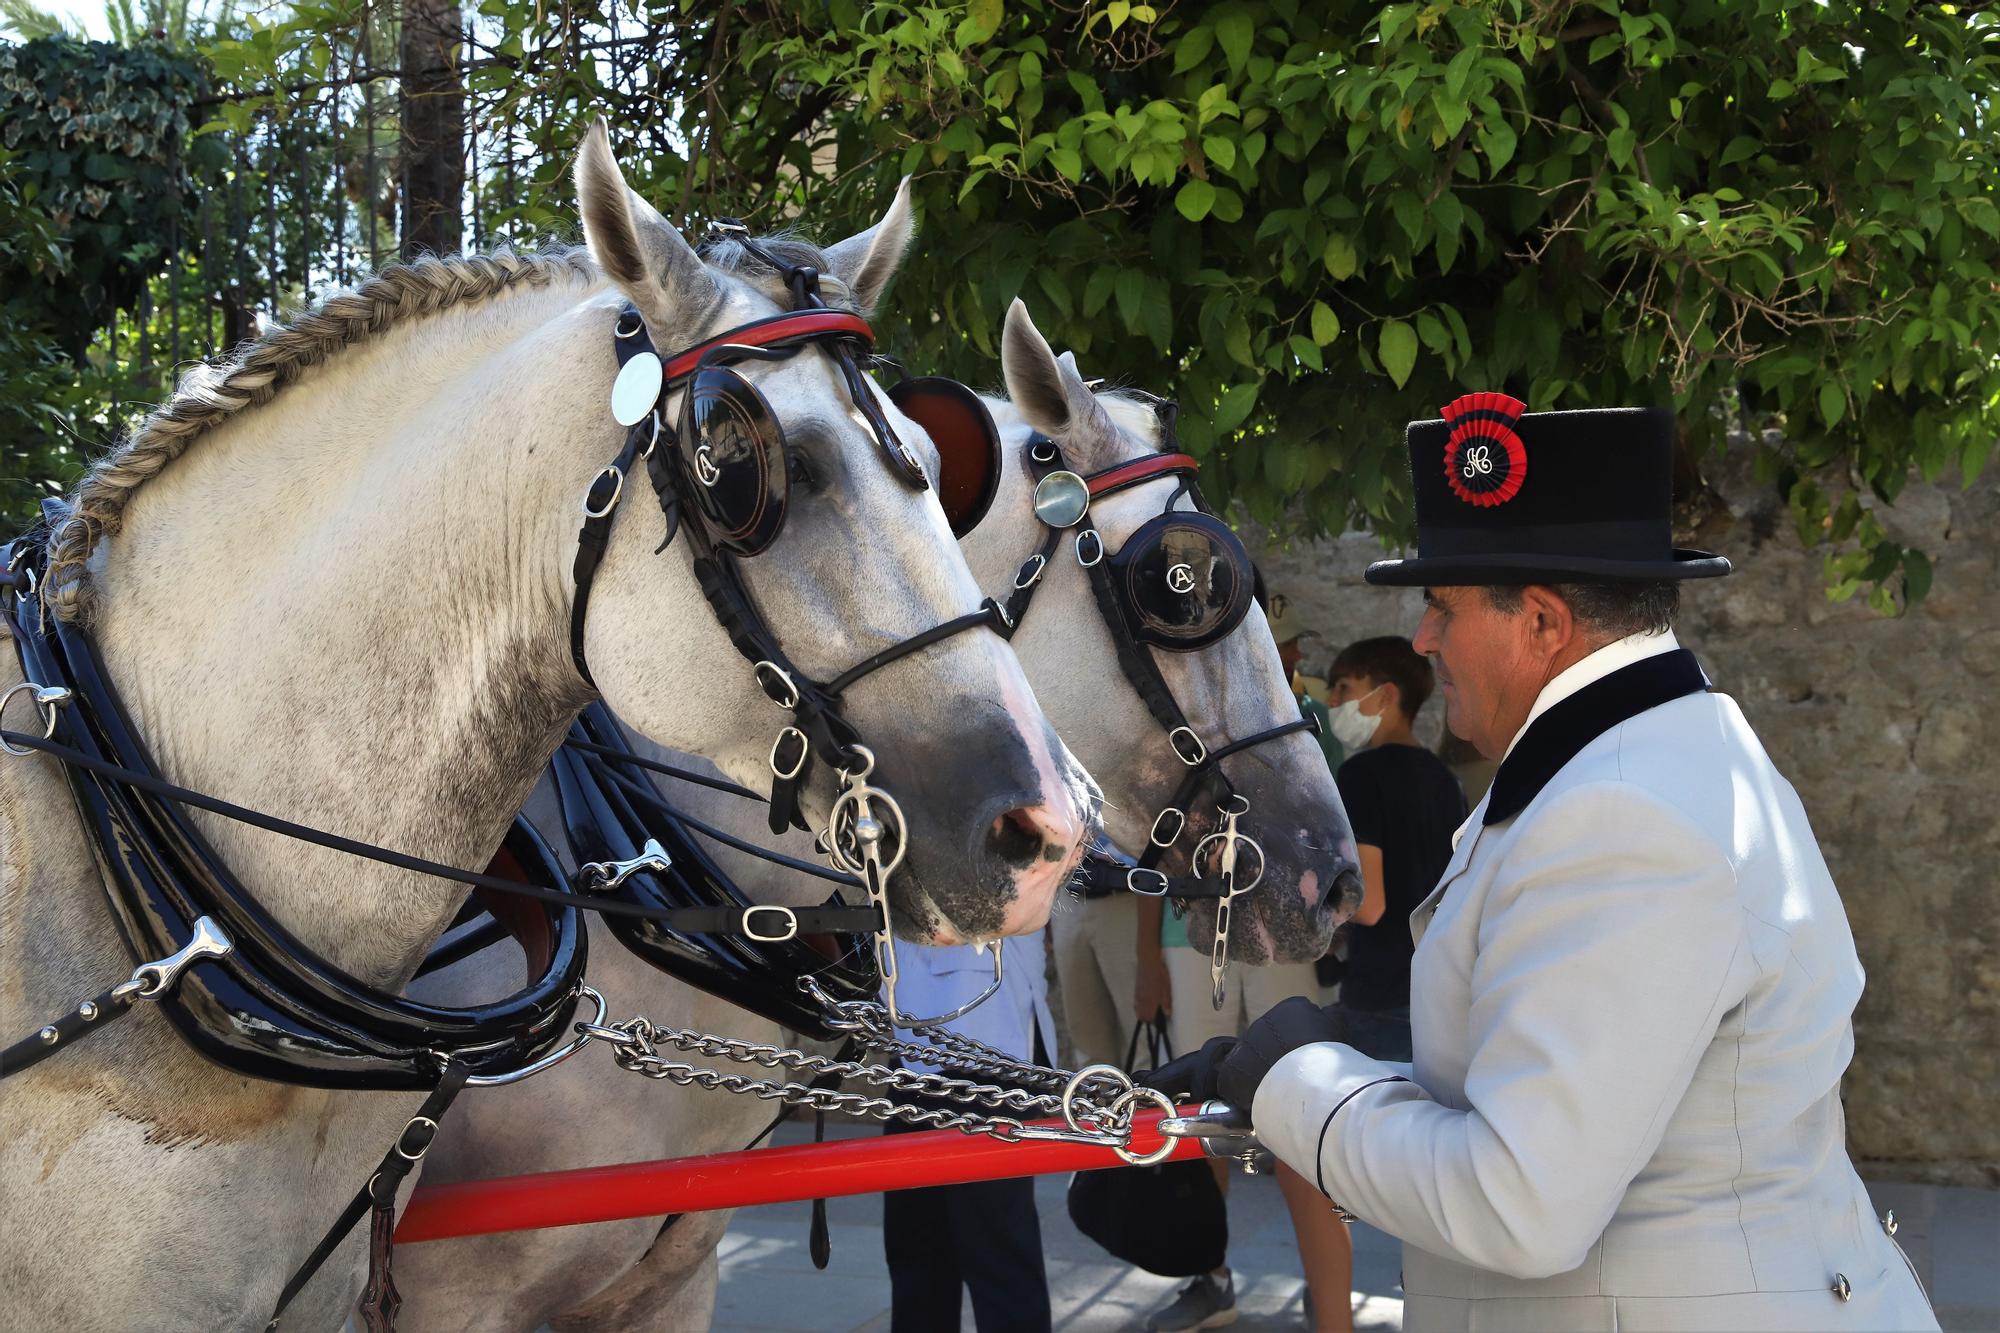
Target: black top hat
(1549,497)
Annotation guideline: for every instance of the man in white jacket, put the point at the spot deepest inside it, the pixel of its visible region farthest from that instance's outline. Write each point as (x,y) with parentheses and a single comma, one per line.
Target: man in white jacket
(1632,993)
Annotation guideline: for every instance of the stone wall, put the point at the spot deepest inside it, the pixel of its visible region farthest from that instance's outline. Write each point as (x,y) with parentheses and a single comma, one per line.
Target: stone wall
(1886,727)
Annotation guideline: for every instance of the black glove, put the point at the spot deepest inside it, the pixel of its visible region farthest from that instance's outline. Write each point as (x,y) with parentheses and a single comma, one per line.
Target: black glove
(1288,1026)
(1192,1076)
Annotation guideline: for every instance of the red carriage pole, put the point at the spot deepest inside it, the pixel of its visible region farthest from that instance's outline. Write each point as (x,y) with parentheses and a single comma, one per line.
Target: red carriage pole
(760,1175)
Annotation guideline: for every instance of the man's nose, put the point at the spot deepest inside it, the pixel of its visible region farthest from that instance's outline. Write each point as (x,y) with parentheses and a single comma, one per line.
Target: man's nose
(1425,641)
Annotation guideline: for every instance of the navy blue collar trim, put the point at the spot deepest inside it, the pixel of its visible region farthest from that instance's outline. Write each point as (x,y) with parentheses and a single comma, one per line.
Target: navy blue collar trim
(1556,737)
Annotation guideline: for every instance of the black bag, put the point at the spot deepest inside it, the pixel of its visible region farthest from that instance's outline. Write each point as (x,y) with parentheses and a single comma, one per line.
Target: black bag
(1168,1219)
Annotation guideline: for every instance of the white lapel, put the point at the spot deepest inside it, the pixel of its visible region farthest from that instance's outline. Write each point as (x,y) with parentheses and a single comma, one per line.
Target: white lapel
(1463,843)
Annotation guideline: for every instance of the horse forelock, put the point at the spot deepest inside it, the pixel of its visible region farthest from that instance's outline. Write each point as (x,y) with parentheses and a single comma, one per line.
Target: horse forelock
(729,255)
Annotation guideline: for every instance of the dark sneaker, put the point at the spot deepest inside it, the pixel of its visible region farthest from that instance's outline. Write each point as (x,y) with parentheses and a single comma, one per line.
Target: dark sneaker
(1203,1303)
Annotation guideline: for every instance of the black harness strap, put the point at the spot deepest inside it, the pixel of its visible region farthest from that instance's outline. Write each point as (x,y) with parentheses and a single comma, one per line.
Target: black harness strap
(93,1014)
(1099,875)
(379,1302)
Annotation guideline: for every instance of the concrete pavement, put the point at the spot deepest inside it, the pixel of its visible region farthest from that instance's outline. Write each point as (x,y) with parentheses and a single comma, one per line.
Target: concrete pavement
(768,1284)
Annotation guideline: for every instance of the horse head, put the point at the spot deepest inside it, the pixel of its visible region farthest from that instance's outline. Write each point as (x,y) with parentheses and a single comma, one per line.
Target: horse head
(1230,688)
(853,556)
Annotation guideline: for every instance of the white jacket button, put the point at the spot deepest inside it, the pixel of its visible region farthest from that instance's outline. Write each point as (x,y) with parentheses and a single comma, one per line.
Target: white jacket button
(1842,1287)
(1889,1221)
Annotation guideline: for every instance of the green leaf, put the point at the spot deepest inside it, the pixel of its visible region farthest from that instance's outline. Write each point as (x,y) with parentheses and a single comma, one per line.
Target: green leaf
(1618,146)
(1130,287)
(1067,161)
(1192,48)
(1235,407)
(1195,200)
(1325,324)
(1916,578)
(982,20)
(1497,140)
(1398,351)
(1220,151)
(1118,11)
(1236,31)
(1339,257)
(1832,402)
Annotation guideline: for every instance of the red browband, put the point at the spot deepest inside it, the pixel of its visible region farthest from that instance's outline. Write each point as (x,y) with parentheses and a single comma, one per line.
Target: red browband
(1138,470)
(776,329)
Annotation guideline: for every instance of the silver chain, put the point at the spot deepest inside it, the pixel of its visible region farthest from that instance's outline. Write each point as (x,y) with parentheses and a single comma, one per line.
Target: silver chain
(1097,1104)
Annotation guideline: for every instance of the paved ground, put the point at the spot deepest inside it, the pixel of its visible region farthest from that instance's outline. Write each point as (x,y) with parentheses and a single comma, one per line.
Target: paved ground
(769,1283)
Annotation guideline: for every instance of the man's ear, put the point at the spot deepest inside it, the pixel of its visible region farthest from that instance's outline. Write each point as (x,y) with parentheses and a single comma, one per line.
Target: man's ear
(1552,624)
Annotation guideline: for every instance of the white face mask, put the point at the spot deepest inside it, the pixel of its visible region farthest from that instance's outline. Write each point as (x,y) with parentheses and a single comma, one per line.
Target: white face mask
(1352,727)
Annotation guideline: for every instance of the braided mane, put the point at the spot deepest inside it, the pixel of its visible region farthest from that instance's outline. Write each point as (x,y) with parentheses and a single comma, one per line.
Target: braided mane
(210,393)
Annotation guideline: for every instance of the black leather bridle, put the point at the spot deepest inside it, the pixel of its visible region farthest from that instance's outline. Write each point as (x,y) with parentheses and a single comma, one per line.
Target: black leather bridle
(1100,875)
(818,730)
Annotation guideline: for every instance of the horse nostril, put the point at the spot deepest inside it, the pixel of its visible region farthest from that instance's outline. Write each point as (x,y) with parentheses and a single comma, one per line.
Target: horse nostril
(1015,839)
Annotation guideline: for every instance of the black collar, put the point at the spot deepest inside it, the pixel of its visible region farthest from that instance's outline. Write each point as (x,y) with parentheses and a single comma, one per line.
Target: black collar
(1555,738)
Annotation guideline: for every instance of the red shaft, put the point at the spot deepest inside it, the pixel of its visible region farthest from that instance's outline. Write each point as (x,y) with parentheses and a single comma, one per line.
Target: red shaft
(742,1179)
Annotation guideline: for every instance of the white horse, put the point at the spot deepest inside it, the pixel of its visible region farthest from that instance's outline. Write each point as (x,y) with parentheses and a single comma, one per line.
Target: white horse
(332,579)
(631,1275)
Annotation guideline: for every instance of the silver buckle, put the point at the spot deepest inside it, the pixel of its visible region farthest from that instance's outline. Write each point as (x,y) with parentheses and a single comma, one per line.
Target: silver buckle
(805,750)
(790,926)
(1097,548)
(784,676)
(617,489)
(1131,882)
(1180,825)
(1200,750)
(1031,571)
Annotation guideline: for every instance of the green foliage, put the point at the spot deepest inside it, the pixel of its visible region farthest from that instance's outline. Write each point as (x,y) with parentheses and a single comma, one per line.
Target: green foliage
(35,377)
(96,133)
(1314,222)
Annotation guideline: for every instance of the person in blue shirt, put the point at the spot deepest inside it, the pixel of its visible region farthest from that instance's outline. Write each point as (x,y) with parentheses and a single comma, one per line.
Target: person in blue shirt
(984,1237)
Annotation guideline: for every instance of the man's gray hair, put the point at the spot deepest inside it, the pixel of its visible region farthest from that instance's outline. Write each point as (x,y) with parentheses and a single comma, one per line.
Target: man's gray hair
(1613,610)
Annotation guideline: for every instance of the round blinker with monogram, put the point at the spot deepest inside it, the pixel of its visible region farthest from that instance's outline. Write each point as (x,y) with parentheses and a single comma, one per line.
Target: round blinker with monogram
(1184,580)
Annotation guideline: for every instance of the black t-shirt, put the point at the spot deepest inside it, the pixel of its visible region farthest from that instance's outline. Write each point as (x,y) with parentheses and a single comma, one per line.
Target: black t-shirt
(1402,799)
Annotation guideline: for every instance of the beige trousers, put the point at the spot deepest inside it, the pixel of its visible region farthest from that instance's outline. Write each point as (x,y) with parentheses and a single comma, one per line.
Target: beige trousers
(1251,991)
(1096,945)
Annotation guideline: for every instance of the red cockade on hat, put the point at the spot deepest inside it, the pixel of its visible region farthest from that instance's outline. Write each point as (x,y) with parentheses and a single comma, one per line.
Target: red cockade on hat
(1484,460)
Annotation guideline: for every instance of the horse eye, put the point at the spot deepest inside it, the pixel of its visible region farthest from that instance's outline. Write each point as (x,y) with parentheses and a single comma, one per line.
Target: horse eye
(800,469)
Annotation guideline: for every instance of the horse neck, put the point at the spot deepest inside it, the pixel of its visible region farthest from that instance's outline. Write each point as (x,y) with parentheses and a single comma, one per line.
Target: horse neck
(348,607)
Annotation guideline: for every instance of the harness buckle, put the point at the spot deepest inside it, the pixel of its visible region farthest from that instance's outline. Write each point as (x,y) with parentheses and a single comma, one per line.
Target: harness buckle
(768,672)
(591,509)
(1096,545)
(1193,753)
(787,929)
(1132,882)
(788,772)
(1030,572)
(1159,839)
(428,1128)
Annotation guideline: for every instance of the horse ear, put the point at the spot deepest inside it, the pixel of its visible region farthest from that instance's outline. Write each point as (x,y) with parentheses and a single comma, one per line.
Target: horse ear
(866,261)
(1049,393)
(638,249)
